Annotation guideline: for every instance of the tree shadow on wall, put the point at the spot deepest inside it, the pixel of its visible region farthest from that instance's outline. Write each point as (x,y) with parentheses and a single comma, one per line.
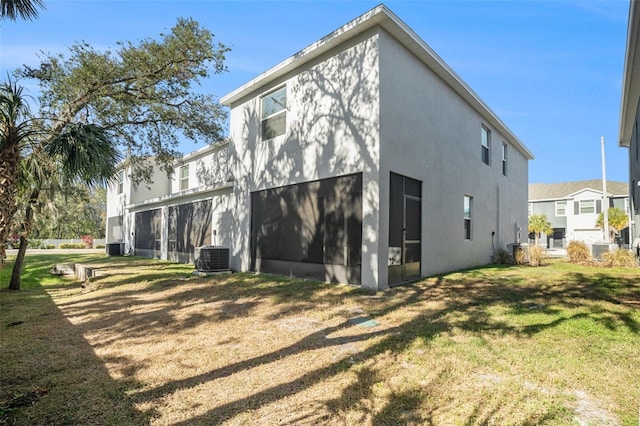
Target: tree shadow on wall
(332,130)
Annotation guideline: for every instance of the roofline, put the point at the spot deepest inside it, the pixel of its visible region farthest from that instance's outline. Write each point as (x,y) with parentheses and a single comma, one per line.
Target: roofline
(202,151)
(383,17)
(600,191)
(631,77)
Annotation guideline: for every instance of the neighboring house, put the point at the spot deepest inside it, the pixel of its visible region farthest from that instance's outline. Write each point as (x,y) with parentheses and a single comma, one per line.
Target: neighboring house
(573,208)
(167,219)
(630,114)
(363,159)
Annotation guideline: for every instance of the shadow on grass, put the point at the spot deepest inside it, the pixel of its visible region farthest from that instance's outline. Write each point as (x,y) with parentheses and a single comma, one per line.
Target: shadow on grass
(50,373)
(458,301)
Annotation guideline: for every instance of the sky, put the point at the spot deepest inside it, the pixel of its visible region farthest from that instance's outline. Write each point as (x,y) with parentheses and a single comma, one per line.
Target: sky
(552,70)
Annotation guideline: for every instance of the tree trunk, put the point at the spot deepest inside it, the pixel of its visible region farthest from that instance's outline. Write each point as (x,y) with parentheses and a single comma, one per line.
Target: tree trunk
(16,275)
(9,166)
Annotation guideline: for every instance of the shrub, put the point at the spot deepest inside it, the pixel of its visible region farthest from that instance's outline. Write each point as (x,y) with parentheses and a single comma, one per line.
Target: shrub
(502,257)
(72,246)
(35,244)
(536,255)
(100,246)
(87,240)
(50,246)
(619,258)
(578,252)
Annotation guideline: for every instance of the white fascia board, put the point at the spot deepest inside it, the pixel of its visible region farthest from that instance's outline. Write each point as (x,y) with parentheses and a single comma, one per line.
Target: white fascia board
(546,200)
(631,77)
(202,151)
(383,17)
(598,191)
(167,199)
(346,32)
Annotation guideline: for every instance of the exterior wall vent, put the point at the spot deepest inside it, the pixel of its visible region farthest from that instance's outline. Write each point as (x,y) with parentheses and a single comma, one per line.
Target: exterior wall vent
(211,258)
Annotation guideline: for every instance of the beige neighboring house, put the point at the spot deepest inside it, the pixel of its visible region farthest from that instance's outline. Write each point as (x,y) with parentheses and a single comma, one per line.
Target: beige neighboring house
(572,208)
(363,158)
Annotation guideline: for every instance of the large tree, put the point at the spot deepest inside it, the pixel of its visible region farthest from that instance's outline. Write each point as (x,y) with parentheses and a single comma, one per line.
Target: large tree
(143,95)
(617,220)
(25,9)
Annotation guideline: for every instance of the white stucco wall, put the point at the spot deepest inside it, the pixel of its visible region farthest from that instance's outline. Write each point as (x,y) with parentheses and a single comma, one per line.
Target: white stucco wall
(207,167)
(582,227)
(332,130)
(430,133)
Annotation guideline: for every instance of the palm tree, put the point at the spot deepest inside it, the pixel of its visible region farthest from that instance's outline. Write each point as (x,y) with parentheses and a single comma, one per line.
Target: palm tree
(538,224)
(15,131)
(82,153)
(26,9)
(32,161)
(617,219)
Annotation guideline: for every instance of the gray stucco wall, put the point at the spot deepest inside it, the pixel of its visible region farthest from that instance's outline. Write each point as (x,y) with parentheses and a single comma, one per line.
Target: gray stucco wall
(332,130)
(430,133)
(548,208)
(634,177)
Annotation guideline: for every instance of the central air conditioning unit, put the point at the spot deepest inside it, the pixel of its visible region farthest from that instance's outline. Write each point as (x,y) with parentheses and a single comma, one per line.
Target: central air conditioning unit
(211,258)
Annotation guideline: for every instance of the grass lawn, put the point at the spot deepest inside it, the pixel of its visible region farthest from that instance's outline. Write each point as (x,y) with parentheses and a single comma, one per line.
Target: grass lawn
(149,343)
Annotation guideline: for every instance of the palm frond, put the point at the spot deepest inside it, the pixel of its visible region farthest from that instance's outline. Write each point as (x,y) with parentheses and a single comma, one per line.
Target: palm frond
(86,154)
(25,9)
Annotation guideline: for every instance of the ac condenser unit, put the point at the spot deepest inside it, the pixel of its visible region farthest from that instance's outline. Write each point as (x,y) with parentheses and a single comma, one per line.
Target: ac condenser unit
(211,258)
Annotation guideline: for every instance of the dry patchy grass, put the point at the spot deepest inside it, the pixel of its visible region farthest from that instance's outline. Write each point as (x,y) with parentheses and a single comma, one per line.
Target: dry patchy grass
(151,344)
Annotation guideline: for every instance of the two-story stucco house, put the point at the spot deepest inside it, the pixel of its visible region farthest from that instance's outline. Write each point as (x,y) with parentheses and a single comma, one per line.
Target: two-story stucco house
(363,159)
(573,208)
(629,134)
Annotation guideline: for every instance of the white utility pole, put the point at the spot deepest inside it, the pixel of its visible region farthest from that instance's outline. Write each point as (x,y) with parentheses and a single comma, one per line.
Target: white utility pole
(605,198)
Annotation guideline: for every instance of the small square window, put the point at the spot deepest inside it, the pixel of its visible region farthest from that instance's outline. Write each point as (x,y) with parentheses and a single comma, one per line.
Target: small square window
(485,135)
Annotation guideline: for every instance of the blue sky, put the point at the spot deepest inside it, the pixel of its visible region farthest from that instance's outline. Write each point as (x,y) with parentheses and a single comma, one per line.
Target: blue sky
(551,70)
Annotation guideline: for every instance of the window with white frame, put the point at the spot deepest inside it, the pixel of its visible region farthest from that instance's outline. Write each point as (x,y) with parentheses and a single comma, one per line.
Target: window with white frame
(184,177)
(530,211)
(120,181)
(626,205)
(587,206)
(486,145)
(468,203)
(274,113)
(561,208)
(504,159)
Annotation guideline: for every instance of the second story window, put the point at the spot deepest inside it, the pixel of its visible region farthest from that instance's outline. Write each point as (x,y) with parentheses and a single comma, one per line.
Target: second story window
(120,181)
(184,177)
(587,206)
(561,208)
(274,113)
(504,159)
(486,145)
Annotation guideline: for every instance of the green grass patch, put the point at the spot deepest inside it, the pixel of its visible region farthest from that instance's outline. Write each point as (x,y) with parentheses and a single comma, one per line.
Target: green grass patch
(146,342)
